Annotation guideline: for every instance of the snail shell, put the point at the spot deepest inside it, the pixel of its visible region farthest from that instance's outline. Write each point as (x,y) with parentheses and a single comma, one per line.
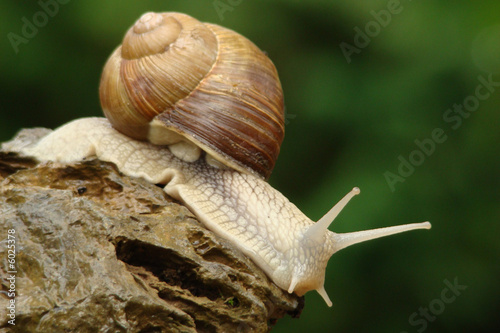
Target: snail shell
(177,81)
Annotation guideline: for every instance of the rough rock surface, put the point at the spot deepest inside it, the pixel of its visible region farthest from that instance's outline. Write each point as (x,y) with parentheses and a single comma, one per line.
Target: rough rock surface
(97,251)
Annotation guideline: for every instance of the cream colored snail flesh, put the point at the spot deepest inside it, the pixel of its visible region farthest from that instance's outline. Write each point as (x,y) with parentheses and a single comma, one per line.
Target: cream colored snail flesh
(199,108)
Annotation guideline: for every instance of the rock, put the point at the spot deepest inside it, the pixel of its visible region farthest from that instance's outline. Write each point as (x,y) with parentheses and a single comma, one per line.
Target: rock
(97,251)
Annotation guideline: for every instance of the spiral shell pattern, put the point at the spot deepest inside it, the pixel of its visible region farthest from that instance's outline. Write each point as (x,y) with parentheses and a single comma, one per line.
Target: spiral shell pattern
(175,78)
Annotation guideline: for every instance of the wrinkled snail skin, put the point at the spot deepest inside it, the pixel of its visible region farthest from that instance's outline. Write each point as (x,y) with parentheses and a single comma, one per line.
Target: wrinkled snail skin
(243,208)
(199,108)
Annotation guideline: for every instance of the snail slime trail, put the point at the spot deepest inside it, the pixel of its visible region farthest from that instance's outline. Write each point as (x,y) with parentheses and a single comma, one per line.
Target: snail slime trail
(175,117)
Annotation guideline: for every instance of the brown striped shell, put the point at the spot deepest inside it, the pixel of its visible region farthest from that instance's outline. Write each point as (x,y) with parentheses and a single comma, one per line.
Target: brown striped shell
(177,79)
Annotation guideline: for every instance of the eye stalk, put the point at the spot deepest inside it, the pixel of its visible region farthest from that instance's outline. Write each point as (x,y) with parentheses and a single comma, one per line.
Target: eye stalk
(337,242)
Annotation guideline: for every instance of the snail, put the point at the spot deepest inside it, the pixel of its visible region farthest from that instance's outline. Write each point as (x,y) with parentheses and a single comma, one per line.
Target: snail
(199,108)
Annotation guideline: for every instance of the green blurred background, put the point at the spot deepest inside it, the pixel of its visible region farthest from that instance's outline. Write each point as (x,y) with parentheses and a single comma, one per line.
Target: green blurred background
(347,125)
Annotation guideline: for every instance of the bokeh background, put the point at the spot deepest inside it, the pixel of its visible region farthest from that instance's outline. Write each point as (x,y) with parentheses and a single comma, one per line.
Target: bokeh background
(349,119)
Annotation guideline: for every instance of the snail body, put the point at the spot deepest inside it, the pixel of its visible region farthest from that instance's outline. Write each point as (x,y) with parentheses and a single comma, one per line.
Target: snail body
(171,142)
